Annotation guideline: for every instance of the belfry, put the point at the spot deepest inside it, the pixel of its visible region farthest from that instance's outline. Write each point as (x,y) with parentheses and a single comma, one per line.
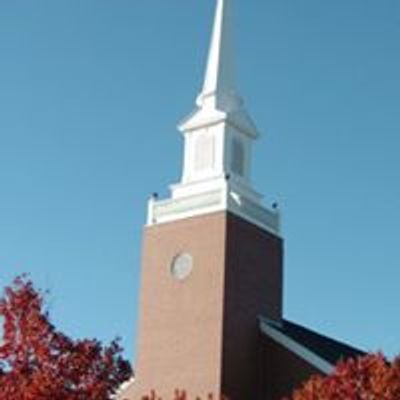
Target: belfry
(218,136)
(212,264)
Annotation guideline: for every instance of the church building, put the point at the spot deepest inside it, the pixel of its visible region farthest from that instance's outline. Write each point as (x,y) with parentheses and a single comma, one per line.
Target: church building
(211,318)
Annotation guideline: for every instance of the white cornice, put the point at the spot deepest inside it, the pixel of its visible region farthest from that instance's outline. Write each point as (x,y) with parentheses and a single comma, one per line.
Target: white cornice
(201,118)
(214,200)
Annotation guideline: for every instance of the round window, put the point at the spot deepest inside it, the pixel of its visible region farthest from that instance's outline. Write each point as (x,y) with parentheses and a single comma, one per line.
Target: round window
(182,266)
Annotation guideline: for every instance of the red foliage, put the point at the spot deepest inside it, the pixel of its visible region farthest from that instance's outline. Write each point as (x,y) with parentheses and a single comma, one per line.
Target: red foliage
(367,378)
(39,363)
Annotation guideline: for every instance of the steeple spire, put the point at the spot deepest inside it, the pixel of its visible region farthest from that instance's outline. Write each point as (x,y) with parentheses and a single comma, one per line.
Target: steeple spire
(218,98)
(219,87)
(218,138)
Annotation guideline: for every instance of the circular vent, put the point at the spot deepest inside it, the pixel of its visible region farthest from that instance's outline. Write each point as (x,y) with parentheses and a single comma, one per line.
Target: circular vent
(182,266)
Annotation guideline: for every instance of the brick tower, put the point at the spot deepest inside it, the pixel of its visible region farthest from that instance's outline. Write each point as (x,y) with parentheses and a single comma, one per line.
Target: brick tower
(212,252)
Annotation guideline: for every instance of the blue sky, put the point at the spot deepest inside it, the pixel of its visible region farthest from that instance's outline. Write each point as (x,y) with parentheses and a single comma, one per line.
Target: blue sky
(90,94)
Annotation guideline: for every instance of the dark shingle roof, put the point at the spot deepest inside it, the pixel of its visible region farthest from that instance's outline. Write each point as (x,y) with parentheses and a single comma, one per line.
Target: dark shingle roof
(328,349)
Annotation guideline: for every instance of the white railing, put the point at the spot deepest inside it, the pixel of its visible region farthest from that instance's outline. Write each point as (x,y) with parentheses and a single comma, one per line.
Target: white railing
(161,211)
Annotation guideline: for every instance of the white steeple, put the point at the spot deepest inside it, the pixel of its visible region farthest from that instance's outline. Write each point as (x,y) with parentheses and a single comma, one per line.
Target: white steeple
(219,84)
(218,137)
(219,92)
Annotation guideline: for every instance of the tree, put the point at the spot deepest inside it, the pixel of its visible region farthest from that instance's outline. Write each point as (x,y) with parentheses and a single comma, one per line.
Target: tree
(371,377)
(37,362)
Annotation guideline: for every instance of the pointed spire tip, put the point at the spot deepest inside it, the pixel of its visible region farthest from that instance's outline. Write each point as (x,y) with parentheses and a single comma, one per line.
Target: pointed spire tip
(219,87)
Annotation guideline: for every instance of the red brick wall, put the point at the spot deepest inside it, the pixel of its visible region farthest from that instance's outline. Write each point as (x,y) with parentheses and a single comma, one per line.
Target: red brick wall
(202,334)
(180,323)
(253,287)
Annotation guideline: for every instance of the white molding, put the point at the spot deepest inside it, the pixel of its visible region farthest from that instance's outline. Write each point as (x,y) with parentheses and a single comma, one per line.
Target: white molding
(298,349)
(185,207)
(202,118)
(124,386)
(218,182)
(224,198)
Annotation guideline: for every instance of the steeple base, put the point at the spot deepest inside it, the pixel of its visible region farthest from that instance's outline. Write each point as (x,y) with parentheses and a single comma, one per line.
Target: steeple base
(205,281)
(213,196)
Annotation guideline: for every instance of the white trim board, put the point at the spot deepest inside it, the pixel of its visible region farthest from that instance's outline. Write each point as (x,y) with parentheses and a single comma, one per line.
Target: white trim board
(298,349)
(124,386)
